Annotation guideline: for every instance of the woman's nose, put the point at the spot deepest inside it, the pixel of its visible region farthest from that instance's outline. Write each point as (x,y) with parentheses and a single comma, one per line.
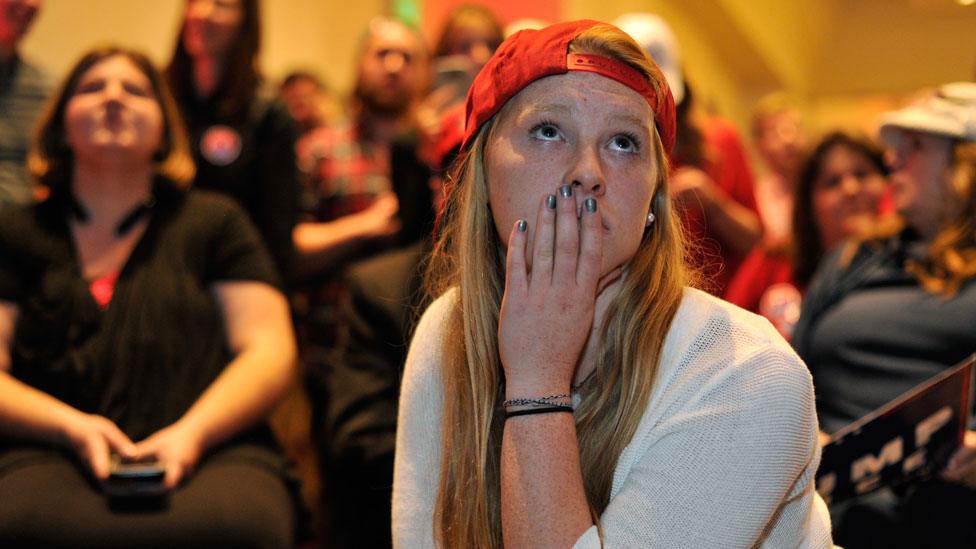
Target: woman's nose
(200,9)
(850,184)
(112,91)
(586,175)
(113,96)
(394,61)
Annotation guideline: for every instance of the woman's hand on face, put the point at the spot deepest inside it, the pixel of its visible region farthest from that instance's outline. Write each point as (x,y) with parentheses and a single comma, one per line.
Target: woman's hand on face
(547,312)
(176,448)
(962,464)
(94,438)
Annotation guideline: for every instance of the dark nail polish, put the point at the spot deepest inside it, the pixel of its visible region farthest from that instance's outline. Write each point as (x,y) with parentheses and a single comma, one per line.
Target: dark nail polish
(566,191)
(590,204)
(522,225)
(551,202)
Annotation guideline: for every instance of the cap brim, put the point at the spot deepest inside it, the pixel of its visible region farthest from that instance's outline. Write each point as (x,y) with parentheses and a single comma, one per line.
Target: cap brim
(919,120)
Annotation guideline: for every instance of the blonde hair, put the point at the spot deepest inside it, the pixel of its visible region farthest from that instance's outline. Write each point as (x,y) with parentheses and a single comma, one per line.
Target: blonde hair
(467,512)
(951,257)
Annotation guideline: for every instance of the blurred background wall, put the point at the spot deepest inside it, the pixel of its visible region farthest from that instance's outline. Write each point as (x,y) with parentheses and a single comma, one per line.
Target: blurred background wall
(844,60)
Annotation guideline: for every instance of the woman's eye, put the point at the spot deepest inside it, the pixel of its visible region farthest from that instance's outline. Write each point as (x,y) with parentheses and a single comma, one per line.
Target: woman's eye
(826,182)
(89,87)
(624,143)
(915,144)
(135,89)
(546,132)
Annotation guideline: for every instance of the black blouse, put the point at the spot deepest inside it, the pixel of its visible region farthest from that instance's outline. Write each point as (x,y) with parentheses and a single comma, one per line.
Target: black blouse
(869,331)
(160,342)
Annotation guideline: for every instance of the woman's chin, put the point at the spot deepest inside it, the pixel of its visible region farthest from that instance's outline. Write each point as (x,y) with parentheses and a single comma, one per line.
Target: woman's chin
(114,153)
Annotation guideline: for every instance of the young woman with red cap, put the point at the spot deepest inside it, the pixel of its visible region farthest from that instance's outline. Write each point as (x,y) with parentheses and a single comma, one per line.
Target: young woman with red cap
(567,387)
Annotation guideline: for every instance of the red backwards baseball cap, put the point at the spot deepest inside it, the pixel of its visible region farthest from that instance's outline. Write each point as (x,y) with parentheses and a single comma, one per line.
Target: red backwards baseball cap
(529,55)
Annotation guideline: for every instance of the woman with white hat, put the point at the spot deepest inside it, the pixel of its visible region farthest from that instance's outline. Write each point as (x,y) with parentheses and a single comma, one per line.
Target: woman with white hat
(890,312)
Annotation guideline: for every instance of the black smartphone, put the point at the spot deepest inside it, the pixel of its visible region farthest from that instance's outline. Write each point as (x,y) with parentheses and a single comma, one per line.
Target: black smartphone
(135,480)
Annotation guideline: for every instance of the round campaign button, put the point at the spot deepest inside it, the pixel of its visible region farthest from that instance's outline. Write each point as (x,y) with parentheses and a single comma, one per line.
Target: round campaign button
(781,305)
(220,145)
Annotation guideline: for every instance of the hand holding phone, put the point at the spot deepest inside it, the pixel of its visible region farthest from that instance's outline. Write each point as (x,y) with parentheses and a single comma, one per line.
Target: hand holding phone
(129,479)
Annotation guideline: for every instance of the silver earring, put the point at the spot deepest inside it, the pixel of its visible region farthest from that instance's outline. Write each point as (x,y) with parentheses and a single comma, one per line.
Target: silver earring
(650,219)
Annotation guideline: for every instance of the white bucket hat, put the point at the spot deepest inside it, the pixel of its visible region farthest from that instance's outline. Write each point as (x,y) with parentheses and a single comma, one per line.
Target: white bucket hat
(949,112)
(655,36)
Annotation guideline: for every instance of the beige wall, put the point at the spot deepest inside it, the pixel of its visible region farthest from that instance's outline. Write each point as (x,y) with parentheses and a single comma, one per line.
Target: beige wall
(317,34)
(321,34)
(64,29)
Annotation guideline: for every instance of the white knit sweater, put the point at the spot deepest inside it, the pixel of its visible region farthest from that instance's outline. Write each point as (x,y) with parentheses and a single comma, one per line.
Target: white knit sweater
(724,455)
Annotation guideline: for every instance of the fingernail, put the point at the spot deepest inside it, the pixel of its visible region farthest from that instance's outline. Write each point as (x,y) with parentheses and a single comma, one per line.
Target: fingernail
(566,191)
(522,225)
(551,202)
(590,204)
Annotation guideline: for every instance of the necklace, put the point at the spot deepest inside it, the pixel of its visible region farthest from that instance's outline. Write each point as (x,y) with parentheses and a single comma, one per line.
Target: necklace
(576,388)
(128,221)
(133,217)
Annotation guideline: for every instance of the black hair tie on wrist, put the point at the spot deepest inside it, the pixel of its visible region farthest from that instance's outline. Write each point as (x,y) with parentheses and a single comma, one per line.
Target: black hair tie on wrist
(545,410)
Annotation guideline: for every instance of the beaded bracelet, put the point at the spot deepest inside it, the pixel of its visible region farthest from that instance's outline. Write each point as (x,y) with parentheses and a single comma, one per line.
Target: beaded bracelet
(532,411)
(536,401)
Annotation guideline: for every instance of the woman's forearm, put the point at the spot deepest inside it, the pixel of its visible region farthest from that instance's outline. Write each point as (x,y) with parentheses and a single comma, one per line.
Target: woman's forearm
(243,394)
(320,246)
(737,227)
(542,496)
(30,414)
(26,412)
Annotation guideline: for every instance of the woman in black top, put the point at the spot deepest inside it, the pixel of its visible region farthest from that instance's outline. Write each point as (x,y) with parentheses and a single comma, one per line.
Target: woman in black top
(140,320)
(243,141)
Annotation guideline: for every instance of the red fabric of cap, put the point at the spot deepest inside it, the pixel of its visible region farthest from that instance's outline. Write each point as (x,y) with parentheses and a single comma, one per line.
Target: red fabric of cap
(529,55)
